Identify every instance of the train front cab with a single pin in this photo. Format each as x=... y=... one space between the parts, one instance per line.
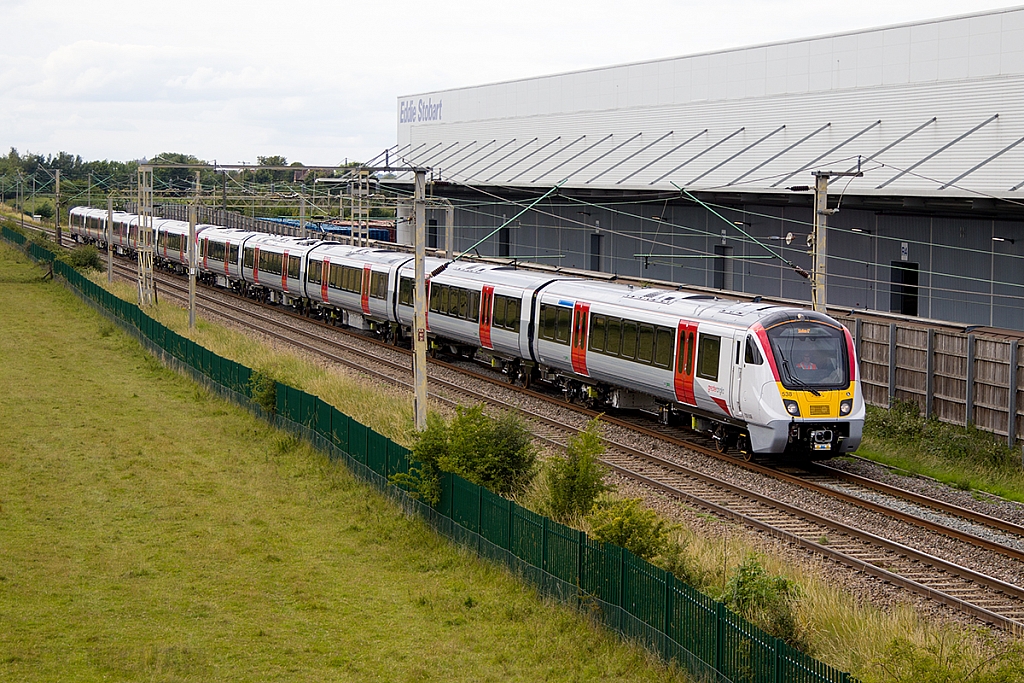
x=811 y=404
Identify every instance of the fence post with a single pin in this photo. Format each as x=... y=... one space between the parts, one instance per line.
x=719 y=635
x=929 y=399
x=892 y=362
x=969 y=415
x=1011 y=398
x=666 y=628
x=544 y=545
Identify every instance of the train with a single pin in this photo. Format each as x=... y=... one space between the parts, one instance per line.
x=758 y=378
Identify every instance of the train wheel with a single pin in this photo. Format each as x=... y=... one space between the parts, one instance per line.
x=721 y=439
x=743 y=446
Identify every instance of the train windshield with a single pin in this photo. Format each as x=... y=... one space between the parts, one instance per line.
x=810 y=355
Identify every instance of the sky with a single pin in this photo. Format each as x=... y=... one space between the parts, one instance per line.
x=318 y=82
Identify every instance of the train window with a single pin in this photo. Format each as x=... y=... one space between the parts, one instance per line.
x=614 y=340
x=628 y=349
x=474 y=306
x=379 y=285
x=435 y=296
x=512 y=315
x=405 y=290
x=707 y=356
x=313 y=271
x=334 y=277
x=752 y=355
x=453 y=301
x=293 y=266
x=662 y=347
x=464 y=303
x=688 y=362
x=498 y=311
x=548 y=314
x=249 y=259
x=562 y=325
x=597 y=332
x=351 y=280
x=645 y=345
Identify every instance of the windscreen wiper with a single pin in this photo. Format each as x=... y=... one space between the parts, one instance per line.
x=796 y=380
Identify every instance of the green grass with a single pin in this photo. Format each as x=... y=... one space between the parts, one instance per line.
x=152 y=532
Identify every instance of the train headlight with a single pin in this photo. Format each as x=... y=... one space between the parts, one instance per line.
x=845 y=406
x=792 y=407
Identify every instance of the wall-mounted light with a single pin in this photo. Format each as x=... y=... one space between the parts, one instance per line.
x=863 y=231
x=1003 y=239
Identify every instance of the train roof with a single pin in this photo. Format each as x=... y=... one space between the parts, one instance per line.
x=370 y=255
x=677 y=303
x=234 y=234
x=267 y=240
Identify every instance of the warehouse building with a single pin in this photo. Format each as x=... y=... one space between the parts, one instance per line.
x=690 y=169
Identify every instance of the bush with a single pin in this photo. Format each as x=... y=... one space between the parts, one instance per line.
x=628 y=525
x=901 y=422
x=575 y=482
x=45 y=210
x=496 y=453
x=263 y=390
x=768 y=601
x=83 y=258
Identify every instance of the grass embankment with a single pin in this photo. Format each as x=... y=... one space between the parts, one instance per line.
x=966 y=458
x=875 y=644
x=152 y=532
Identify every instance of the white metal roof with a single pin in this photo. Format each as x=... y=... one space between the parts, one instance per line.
x=934 y=108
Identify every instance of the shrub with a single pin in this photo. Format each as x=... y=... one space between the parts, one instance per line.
x=901 y=422
x=83 y=257
x=768 y=601
x=625 y=523
x=496 y=453
x=263 y=389
x=575 y=482
x=431 y=446
x=45 y=210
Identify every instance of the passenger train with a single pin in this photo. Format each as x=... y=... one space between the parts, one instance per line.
x=757 y=377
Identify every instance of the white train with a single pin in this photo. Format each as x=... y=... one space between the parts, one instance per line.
x=758 y=377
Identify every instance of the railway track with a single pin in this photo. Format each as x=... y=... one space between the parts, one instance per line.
x=984 y=597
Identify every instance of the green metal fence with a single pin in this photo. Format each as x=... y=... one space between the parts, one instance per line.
x=629 y=594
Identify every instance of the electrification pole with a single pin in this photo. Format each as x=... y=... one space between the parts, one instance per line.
x=819 y=253
x=192 y=261
x=419 y=341
x=819 y=248
x=110 y=238
x=145 y=239
x=56 y=213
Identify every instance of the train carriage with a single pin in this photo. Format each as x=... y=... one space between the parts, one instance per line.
x=274 y=267
x=357 y=281
x=220 y=255
x=171 y=242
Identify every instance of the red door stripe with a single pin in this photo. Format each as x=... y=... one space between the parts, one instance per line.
x=284 y=271
x=486 y=309
x=365 y=298
x=323 y=278
x=256 y=265
x=580 y=326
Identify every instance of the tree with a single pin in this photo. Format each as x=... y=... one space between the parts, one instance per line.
x=575 y=482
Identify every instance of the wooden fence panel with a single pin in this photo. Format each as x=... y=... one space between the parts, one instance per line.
x=951 y=377
x=912 y=365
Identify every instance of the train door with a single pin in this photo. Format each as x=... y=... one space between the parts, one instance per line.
x=364 y=299
x=752 y=381
x=256 y=265
x=205 y=247
x=325 y=272
x=227 y=252
x=284 y=271
x=735 y=391
x=486 y=308
x=580 y=325
x=685 y=353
